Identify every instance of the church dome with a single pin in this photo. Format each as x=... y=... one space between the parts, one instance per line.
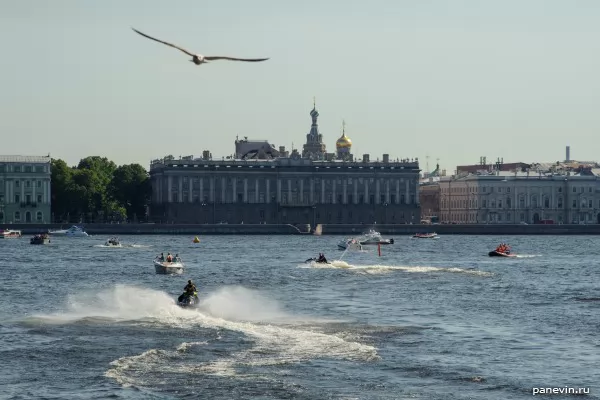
x=343 y=142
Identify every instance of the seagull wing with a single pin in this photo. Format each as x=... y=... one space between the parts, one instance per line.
x=211 y=58
x=167 y=43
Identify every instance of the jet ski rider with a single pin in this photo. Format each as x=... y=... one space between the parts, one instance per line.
x=321 y=258
x=188 y=291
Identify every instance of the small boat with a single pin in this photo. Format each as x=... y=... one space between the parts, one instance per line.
x=500 y=254
x=10 y=234
x=431 y=235
x=373 y=237
x=42 y=238
x=350 y=244
x=74 y=231
x=113 y=242
x=167 y=268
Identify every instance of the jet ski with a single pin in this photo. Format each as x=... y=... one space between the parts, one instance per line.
x=187 y=301
x=316 y=260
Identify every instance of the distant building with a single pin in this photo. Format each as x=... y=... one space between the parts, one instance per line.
x=545 y=194
x=499 y=165
x=311 y=188
x=25 y=193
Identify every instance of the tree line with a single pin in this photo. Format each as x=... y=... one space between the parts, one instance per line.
x=97 y=190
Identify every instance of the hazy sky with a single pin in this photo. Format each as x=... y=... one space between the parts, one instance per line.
x=454 y=80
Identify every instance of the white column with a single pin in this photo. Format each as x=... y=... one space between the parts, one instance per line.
x=190 y=189
x=289 y=196
x=245 y=190
x=344 y=191
x=366 y=190
x=170 y=189
x=323 y=191
x=223 y=190
x=387 y=191
x=180 y=192
x=256 y=192
x=312 y=190
x=355 y=197
x=201 y=190
x=22 y=191
x=211 y=195
x=33 y=187
x=333 y=195
x=268 y=194
x=407 y=192
x=47 y=194
x=377 y=191
x=279 y=190
x=417 y=200
x=234 y=190
x=301 y=199
x=397 y=191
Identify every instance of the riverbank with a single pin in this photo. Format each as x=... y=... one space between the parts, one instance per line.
x=287 y=229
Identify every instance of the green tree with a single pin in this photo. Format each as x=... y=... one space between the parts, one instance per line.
x=130 y=187
x=60 y=188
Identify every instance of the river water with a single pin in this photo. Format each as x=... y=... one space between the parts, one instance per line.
x=428 y=319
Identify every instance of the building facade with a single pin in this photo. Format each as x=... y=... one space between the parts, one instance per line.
x=520 y=197
x=274 y=187
x=25 y=193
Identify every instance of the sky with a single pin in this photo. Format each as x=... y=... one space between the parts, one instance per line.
x=450 y=80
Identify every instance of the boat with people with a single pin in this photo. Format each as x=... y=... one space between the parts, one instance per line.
x=113 y=242
x=503 y=250
x=74 y=231
x=189 y=297
x=42 y=238
x=350 y=244
x=10 y=234
x=431 y=235
x=168 y=264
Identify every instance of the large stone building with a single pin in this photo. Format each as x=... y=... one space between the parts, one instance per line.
x=266 y=187
x=25 y=189
x=551 y=193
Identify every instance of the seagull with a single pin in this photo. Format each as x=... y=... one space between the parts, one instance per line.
x=199 y=58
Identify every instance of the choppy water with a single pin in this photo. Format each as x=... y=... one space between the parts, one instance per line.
x=429 y=319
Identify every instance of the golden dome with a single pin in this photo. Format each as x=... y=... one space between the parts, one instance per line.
x=343 y=141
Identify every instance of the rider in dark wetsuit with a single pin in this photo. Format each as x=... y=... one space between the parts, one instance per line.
x=188 y=291
x=322 y=258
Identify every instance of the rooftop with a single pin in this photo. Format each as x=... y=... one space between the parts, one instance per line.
x=25 y=159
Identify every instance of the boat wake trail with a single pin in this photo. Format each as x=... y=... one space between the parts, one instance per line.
x=383 y=269
x=271 y=338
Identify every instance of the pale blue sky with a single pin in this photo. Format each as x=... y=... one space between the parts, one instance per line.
x=454 y=80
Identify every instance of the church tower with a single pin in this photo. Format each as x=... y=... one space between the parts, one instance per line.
x=344 y=145
x=314 y=147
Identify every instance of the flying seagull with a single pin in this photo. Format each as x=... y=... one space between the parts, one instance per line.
x=199 y=58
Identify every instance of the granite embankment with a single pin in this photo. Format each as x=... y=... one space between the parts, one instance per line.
x=287 y=229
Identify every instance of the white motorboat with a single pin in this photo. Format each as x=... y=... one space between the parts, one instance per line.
x=10 y=234
x=431 y=235
x=350 y=244
x=167 y=268
x=113 y=242
x=74 y=231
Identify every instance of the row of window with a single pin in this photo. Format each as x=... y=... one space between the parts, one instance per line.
x=485 y=189
x=27 y=216
x=23 y=168
x=28 y=198
x=26 y=183
x=497 y=203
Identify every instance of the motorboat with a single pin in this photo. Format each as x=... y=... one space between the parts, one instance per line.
x=497 y=253
x=431 y=235
x=42 y=238
x=113 y=242
x=74 y=231
x=350 y=244
x=187 y=301
x=373 y=237
x=167 y=268
x=10 y=234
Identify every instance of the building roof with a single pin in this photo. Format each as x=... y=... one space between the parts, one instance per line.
x=25 y=159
